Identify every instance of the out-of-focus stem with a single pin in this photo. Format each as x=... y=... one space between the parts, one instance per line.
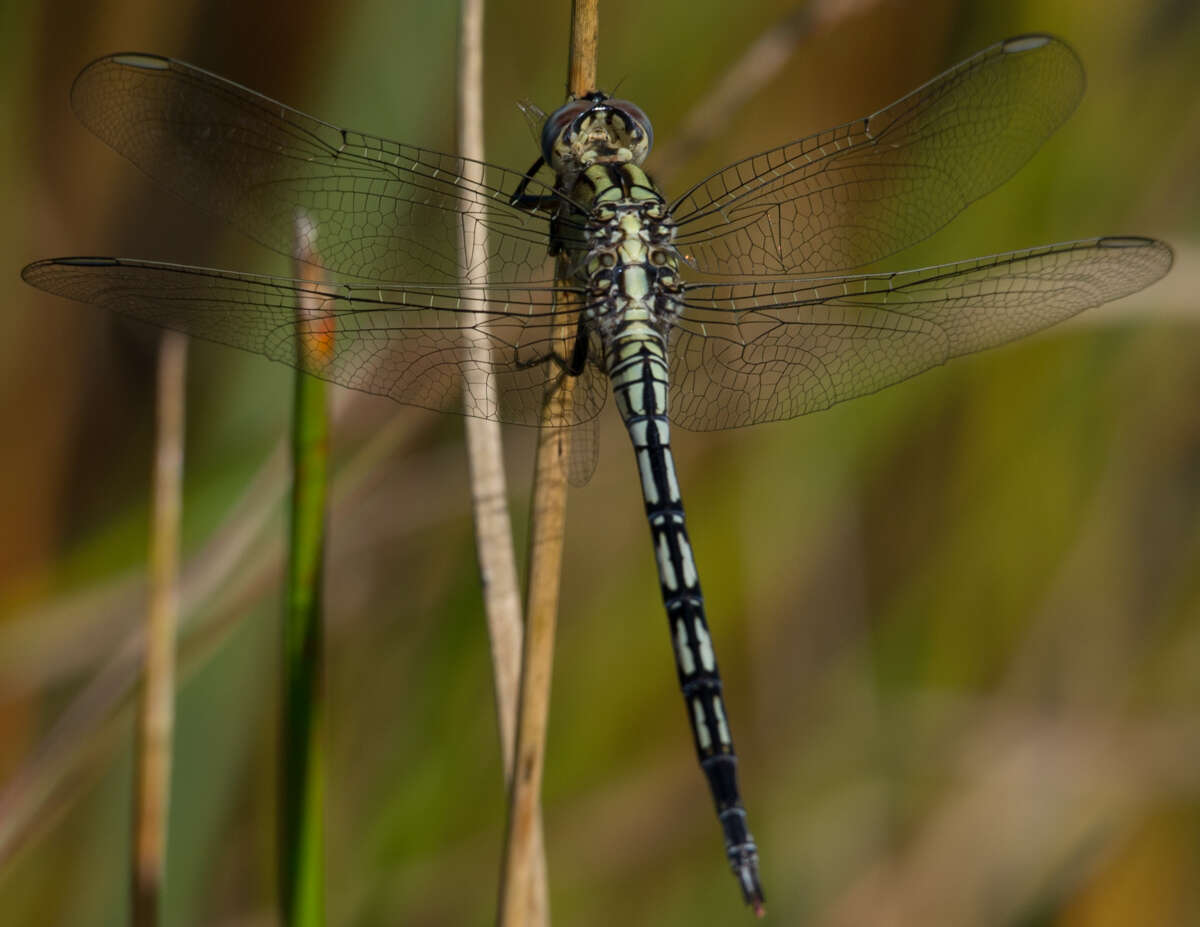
x=485 y=459
x=156 y=714
x=489 y=493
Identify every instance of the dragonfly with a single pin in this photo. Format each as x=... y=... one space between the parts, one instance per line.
x=465 y=286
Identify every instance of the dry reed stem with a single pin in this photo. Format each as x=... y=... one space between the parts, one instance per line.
x=547 y=524
x=156 y=709
x=485 y=461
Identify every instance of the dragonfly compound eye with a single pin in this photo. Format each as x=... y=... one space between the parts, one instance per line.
x=641 y=132
x=556 y=130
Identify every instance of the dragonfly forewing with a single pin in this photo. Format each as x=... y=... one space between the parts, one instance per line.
x=385 y=211
x=860 y=192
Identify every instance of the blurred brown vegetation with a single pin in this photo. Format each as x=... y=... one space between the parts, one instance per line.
x=959 y=621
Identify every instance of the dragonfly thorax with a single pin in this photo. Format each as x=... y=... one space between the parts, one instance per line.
x=631 y=265
x=595 y=129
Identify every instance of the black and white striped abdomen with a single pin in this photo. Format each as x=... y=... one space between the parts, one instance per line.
x=634 y=295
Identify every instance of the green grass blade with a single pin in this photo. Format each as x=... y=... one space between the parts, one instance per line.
x=301 y=830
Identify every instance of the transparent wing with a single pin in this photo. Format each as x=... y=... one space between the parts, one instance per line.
x=768 y=350
x=385 y=210
x=482 y=351
x=585 y=452
x=855 y=194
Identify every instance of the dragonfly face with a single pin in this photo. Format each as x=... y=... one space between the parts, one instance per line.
x=595 y=129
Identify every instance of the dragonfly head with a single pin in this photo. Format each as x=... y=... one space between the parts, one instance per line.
x=596 y=129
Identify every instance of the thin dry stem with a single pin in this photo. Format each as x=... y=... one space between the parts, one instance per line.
x=156 y=714
x=485 y=459
x=546 y=534
x=485 y=462
x=585 y=45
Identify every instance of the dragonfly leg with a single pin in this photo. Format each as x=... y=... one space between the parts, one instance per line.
x=523 y=200
x=571 y=366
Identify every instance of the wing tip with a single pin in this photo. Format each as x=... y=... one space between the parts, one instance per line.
x=43 y=274
x=98 y=75
x=141 y=60
x=82 y=261
x=1130 y=241
x=1072 y=78
x=1029 y=41
x=1155 y=249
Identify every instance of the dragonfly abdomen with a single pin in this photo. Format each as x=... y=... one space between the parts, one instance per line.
x=631 y=275
x=638 y=369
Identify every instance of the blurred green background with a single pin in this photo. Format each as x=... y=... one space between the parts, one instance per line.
x=959 y=621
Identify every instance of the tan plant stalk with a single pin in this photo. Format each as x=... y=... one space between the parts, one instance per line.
x=485 y=456
x=546 y=532
x=485 y=459
x=156 y=708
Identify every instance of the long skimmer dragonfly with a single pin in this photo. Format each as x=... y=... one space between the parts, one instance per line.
x=726 y=306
